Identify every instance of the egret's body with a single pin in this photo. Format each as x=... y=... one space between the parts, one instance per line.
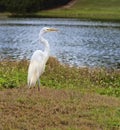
x=38 y=60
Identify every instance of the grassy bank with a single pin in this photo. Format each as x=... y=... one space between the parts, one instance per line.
x=70 y=98
x=14 y=74
x=84 y=9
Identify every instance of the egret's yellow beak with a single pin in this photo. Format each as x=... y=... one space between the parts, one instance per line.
x=52 y=29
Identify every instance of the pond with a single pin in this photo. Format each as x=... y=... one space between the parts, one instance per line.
x=78 y=43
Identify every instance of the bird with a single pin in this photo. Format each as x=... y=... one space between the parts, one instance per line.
x=39 y=59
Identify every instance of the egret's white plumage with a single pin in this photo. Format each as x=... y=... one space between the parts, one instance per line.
x=39 y=59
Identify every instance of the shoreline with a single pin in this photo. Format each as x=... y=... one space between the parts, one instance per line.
x=9 y=15
x=77 y=9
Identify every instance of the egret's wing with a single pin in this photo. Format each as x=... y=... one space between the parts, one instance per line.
x=36 y=67
x=37 y=56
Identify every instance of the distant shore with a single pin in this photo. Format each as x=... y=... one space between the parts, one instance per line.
x=84 y=10
x=44 y=14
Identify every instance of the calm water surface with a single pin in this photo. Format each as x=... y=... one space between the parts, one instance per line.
x=79 y=43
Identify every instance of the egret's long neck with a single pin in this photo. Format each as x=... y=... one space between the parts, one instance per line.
x=45 y=42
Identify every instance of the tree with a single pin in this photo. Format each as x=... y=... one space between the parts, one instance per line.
x=27 y=6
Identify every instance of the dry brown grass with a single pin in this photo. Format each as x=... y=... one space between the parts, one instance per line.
x=52 y=109
x=68 y=99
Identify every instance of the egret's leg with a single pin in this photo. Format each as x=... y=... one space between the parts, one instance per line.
x=38 y=85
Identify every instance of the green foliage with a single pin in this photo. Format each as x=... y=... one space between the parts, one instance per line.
x=87 y=9
x=102 y=81
x=84 y=9
x=13 y=74
x=27 y=6
x=110 y=91
x=107 y=112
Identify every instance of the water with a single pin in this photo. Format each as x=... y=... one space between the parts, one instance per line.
x=78 y=43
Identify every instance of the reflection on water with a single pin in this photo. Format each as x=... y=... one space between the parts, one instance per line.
x=80 y=43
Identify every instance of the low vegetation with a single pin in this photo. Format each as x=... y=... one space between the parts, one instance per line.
x=85 y=9
x=29 y=6
x=70 y=98
x=53 y=109
x=101 y=80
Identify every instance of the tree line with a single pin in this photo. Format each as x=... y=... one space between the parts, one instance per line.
x=27 y=6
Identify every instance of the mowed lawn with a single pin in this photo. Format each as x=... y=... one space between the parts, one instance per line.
x=87 y=9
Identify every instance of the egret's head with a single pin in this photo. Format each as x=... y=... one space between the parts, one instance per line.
x=47 y=29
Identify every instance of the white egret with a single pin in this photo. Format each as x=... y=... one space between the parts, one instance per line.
x=38 y=60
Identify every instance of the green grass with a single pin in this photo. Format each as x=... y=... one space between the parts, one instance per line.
x=83 y=9
x=13 y=74
x=70 y=98
x=86 y=9
x=100 y=80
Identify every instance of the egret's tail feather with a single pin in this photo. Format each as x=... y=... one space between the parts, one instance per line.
x=31 y=82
